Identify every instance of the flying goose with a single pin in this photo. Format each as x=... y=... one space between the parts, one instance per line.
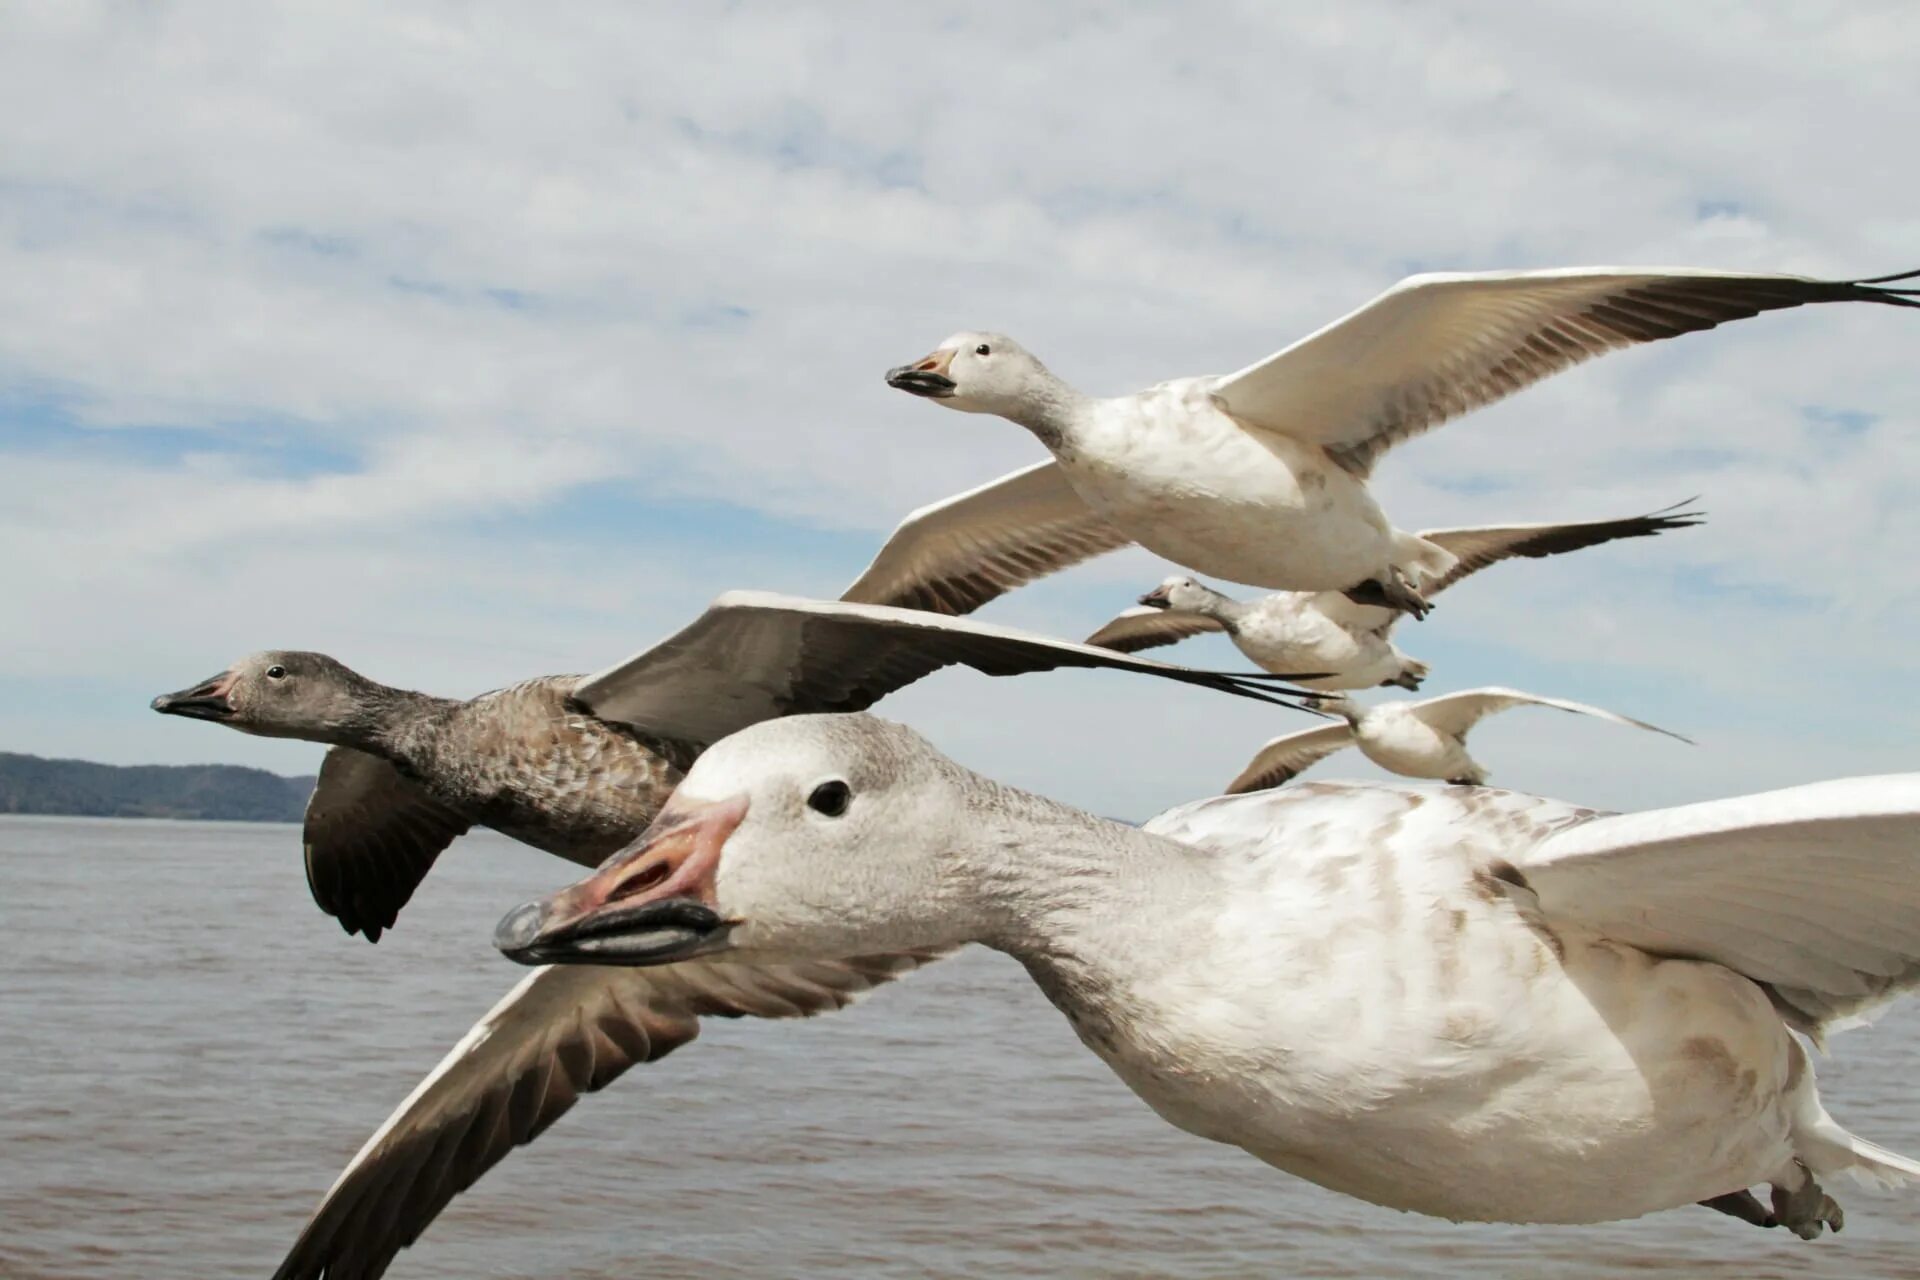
x=1424 y=739
x=1325 y=631
x=576 y=765
x=1457 y=1001
x=1260 y=477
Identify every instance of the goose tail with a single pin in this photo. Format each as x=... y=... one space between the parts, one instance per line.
x=1837 y=1151
x=1827 y=1149
x=1421 y=561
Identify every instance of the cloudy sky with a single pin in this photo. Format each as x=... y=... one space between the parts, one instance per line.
x=471 y=341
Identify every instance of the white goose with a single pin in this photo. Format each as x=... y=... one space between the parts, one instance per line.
x=1462 y=1002
x=1424 y=739
x=1291 y=631
x=1261 y=476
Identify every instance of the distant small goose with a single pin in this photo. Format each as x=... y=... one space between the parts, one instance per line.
x=1260 y=476
x=576 y=765
x=1424 y=739
x=1456 y=1001
x=1325 y=631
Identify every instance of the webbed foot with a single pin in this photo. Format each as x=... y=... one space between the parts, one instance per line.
x=1806 y=1209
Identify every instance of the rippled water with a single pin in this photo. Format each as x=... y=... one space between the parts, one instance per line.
x=189 y=1052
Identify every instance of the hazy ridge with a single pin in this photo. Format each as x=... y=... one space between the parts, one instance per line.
x=35 y=784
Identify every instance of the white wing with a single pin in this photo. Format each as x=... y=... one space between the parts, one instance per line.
x=1288 y=756
x=564 y=1031
x=1455 y=713
x=954 y=556
x=1436 y=346
x=1145 y=627
x=753 y=656
x=1814 y=890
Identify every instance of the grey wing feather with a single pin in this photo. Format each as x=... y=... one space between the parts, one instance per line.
x=1287 y=757
x=954 y=556
x=755 y=656
x=1475 y=549
x=1149 y=628
x=561 y=1033
x=371 y=835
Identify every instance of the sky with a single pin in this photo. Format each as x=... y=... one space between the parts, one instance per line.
x=469 y=342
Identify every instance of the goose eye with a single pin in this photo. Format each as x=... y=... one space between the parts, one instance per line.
x=983 y=350
x=276 y=672
x=830 y=798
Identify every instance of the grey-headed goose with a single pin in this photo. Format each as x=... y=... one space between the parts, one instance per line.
x=575 y=765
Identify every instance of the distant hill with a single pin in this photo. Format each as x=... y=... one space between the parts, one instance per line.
x=34 y=784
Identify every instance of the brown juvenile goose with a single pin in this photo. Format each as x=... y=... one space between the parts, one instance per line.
x=578 y=765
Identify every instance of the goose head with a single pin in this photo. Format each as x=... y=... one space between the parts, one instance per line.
x=980 y=373
x=279 y=693
x=1180 y=594
x=824 y=835
x=1336 y=704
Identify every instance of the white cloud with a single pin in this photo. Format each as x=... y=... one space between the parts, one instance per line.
x=474 y=257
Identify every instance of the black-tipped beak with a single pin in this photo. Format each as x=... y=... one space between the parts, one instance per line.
x=208 y=700
x=1156 y=599
x=651 y=903
x=649 y=933
x=927 y=377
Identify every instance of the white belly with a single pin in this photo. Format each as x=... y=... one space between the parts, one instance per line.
x=1426 y=1049
x=1300 y=638
x=1185 y=481
x=1402 y=744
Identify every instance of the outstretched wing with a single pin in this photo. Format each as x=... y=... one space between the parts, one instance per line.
x=1436 y=346
x=1455 y=713
x=1814 y=890
x=1475 y=549
x=371 y=836
x=1286 y=757
x=753 y=656
x=1145 y=627
x=954 y=556
x=565 y=1031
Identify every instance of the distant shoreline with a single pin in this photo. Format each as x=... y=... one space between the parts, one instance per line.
x=37 y=786
x=7 y=815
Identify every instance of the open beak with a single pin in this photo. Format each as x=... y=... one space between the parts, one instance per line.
x=927 y=378
x=1156 y=599
x=651 y=903
x=207 y=700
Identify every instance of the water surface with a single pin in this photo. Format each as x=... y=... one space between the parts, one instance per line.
x=190 y=1052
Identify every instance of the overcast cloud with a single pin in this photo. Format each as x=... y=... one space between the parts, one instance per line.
x=473 y=341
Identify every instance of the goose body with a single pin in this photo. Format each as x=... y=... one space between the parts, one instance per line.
x=1397 y=1029
x=1457 y=1001
x=1261 y=476
x=1193 y=486
x=530 y=762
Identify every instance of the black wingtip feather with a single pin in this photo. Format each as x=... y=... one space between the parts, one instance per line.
x=1898 y=275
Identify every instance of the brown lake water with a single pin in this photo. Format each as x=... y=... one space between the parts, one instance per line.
x=189 y=1052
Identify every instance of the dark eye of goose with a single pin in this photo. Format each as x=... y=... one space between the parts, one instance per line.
x=983 y=350
x=830 y=798
x=276 y=672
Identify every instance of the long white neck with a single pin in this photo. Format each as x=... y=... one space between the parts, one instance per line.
x=1051 y=409
x=1060 y=889
x=1222 y=608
